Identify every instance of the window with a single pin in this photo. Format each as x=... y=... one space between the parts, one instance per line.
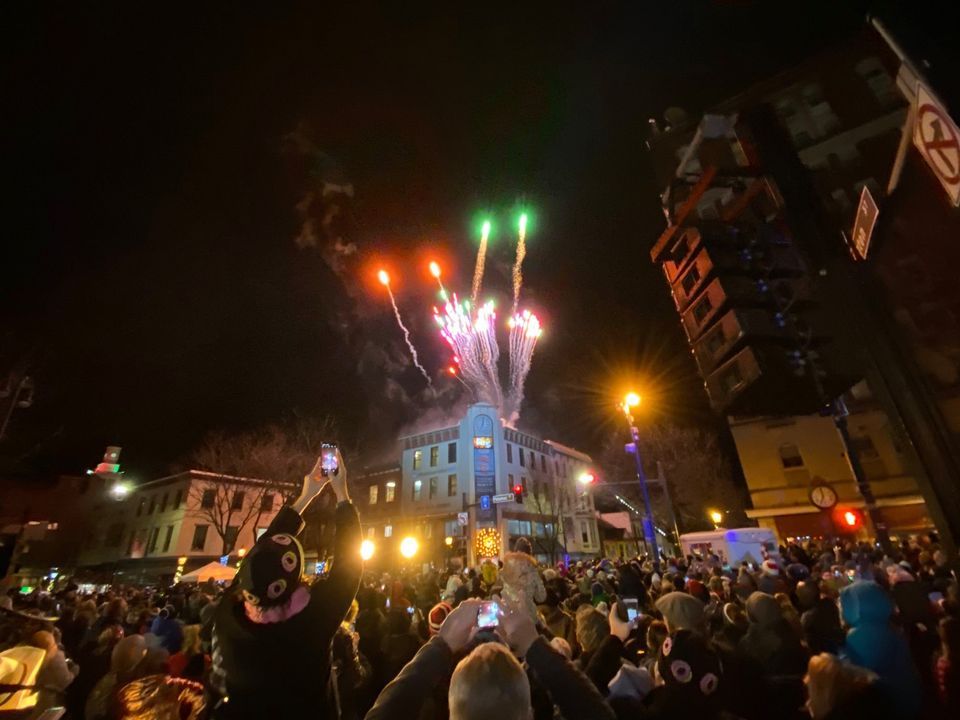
x=417 y=487
x=690 y=280
x=790 y=456
x=523 y=483
x=374 y=492
x=433 y=487
x=451 y=528
x=427 y=531
x=520 y=453
x=199 y=537
x=371 y=532
x=153 y=504
x=584 y=532
x=388 y=530
x=533 y=461
x=451 y=485
x=878 y=80
x=864 y=447
x=702 y=309
x=141 y=505
x=511 y=481
x=163 y=502
x=266 y=502
x=543 y=463
x=417 y=459
x=208 y=498
x=391 y=491
x=230 y=536
x=237 y=503
x=152 y=545
x=731 y=378
x=509 y=453
x=177 y=499
x=434 y=455
x=452 y=453
x=167 y=538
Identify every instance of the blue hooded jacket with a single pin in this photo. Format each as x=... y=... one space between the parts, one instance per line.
x=872 y=642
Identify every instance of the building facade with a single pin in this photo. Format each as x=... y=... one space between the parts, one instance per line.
x=459 y=479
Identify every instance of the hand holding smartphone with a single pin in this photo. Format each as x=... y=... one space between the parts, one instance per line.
x=489 y=614
x=329 y=460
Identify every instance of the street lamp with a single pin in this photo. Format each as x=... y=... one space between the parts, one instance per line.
x=630 y=401
x=120 y=490
x=409 y=547
x=241 y=552
x=366 y=549
x=448 y=541
x=587 y=478
x=716 y=517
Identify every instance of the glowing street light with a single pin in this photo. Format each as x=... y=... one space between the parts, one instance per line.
x=587 y=478
x=241 y=553
x=409 y=547
x=448 y=541
x=716 y=517
x=120 y=490
x=383 y=277
x=366 y=549
x=631 y=399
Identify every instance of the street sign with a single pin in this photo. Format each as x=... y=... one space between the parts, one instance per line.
x=938 y=140
x=462 y=519
x=867 y=212
x=484 y=502
x=505 y=498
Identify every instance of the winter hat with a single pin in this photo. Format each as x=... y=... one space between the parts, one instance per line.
x=798 y=572
x=630 y=682
x=438 y=613
x=681 y=611
x=769 y=567
x=687 y=662
x=271 y=571
x=763 y=608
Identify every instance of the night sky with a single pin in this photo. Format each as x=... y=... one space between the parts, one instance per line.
x=150 y=269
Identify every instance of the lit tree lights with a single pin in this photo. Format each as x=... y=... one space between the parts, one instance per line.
x=487 y=543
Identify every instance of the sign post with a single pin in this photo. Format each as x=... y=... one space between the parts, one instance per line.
x=937 y=138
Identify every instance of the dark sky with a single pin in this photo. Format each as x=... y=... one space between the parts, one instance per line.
x=149 y=262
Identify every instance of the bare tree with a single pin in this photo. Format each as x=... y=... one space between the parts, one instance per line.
x=244 y=469
x=547 y=499
x=700 y=473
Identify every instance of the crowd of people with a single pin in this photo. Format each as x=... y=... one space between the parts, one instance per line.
x=821 y=630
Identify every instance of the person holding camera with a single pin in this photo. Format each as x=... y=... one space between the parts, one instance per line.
x=273 y=630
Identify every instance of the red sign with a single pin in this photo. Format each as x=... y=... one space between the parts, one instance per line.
x=938 y=140
x=867 y=212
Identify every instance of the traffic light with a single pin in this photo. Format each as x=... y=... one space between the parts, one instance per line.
x=736 y=257
x=848 y=520
x=518 y=493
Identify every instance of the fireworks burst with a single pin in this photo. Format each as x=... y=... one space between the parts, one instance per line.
x=518 y=263
x=481 y=259
x=472 y=337
x=384 y=279
x=435 y=271
x=525 y=330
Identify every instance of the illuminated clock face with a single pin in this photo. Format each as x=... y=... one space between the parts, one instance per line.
x=823 y=496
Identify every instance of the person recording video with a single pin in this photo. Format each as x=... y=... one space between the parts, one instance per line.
x=273 y=630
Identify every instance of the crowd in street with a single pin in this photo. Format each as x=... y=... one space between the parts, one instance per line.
x=821 y=630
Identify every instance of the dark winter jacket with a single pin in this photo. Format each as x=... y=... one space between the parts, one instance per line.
x=573 y=694
x=281 y=669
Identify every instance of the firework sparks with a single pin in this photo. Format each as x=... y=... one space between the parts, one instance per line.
x=435 y=271
x=525 y=330
x=471 y=334
x=481 y=259
x=518 y=263
x=384 y=279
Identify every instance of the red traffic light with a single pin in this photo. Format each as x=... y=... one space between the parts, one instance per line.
x=518 y=489
x=848 y=519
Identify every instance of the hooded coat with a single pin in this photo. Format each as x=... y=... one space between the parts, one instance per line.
x=872 y=642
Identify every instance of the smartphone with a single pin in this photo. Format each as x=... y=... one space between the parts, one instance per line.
x=410 y=610
x=329 y=464
x=489 y=615
x=632 y=606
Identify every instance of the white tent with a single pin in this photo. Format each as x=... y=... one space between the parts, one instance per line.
x=210 y=571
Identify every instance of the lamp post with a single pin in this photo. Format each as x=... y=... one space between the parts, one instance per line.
x=716 y=517
x=630 y=401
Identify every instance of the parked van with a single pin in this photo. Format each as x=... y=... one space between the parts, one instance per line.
x=732 y=546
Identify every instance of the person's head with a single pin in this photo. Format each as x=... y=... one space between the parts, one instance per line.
x=592 y=628
x=45 y=641
x=489 y=683
x=656 y=634
x=562 y=647
x=831 y=683
x=127 y=654
x=681 y=611
x=271 y=571
x=690 y=668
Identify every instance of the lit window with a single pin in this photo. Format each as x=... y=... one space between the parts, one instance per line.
x=434 y=455
x=433 y=487
x=451 y=485
x=391 y=492
x=417 y=459
x=388 y=530
x=374 y=491
x=417 y=487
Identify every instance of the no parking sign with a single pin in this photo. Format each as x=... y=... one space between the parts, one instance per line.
x=937 y=138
